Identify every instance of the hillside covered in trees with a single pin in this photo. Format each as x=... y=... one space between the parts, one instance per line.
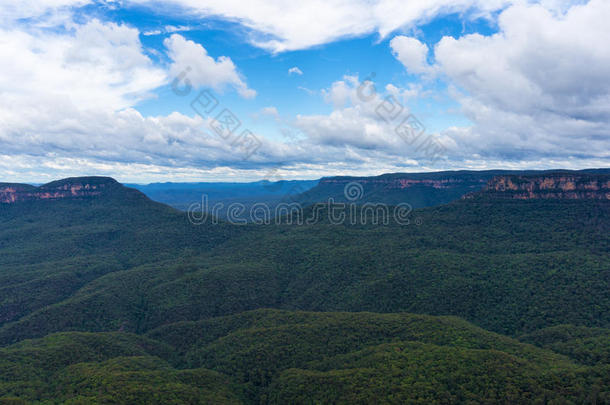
x=113 y=297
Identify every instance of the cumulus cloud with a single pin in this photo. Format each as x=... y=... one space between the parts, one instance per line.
x=202 y=69
x=541 y=85
x=404 y=94
x=341 y=91
x=64 y=140
x=411 y=53
x=364 y=122
x=538 y=89
x=70 y=94
x=93 y=65
x=67 y=109
x=290 y=25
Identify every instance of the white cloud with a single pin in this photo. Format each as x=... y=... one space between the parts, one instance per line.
x=152 y=32
x=307 y=90
x=282 y=25
x=62 y=139
x=168 y=29
x=341 y=91
x=363 y=121
x=295 y=70
x=537 y=93
x=202 y=69
x=541 y=85
x=67 y=110
x=12 y=10
x=67 y=97
x=95 y=65
x=411 y=53
x=272 y=111
x=403 y=95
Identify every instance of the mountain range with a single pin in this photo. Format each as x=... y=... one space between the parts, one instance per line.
x=499 y=295
x=419 y=190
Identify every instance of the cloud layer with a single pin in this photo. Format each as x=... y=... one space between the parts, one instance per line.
x=284 y=25
x=537 y=92
x=541 y=85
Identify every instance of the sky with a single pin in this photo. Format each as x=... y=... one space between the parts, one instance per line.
x=226 y=90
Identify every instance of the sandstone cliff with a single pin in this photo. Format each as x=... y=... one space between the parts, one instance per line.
x=72 y=188
x=568 y=186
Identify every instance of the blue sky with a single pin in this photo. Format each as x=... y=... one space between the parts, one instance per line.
x=322 y=65
x=495 y=84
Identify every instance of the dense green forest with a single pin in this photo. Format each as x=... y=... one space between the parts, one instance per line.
x=117 y=298
x=274 y=356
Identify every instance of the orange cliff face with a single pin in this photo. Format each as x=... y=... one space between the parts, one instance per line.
x=65 y=189
x=548 y=186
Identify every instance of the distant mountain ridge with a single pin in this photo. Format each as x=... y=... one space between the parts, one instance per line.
x=418 y=189
x=184 y=195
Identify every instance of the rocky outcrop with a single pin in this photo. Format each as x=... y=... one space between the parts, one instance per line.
x=72 y=188
x=432 y=189
x=567 y=186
